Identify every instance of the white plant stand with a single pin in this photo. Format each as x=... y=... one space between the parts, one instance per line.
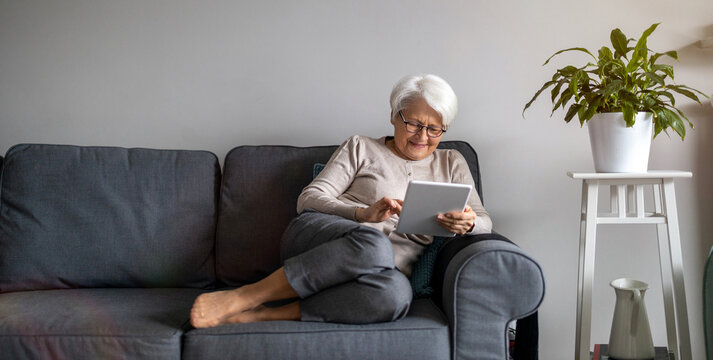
x=628 y=188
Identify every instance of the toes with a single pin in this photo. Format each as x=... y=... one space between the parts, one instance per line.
x=197 y=317
x=195 y=323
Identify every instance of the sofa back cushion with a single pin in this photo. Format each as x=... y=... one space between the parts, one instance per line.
x=107 y=217
x=259 y=198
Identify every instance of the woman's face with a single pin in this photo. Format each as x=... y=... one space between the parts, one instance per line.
x=416 y=146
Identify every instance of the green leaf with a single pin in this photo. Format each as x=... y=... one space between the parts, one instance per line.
x=572 y=110
x=651 y=102
x=556 y=89
x=584 y=78
x=640 y=50
x=628 y=112
x=620 y=69
x=634 y=62
x=639 y=57
x=580 y=114
x=570 y=49
x=671 y=54
x=567 y=71
x=574 y=84
x=619 y=42
x=684 y=116
x=667 y=95
x=692 y=89
x=648 y=32
x=675 y=122
x=592 y=109
x=605 y=54
x=545 y=86
x=683 y=90
x=666 y=69
x=658 y=120
x=564 y=99
x=612 y=88
x=655 y=78
x=562 y=102
x=612 y=71
x=626 y=97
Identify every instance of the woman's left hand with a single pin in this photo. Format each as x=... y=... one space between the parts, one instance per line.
x=457 y=222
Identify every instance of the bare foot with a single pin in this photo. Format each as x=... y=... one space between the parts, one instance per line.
x=247 y=316
x=216 y=308
x=263 y=313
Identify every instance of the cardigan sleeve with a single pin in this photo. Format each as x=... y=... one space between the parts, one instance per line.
x=334 y=180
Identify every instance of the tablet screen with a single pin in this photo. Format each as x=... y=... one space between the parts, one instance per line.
x=424 y=200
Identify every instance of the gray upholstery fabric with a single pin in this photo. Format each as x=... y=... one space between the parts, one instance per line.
x=259 y=198
x=94 y=323
x=423 y=334
x=471 y=157
x=478 y=281
x=257 y=201
x=107 y=217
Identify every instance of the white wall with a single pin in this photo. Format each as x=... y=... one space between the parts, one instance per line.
x=215 y=74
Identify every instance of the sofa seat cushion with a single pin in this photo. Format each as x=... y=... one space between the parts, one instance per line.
x=423 y=334
x=94 y=323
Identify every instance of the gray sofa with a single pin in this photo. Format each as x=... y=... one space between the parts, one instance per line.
x=104 y=249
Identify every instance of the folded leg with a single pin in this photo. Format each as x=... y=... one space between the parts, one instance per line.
x=321 y=251
x=378 y=297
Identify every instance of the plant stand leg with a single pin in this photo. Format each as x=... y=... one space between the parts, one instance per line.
x=674 y=240
x=587 y=244
x=666 y=273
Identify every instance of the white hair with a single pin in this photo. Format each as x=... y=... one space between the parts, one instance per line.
x=433 y=89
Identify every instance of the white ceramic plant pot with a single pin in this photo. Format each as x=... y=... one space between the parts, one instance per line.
x=617 y=148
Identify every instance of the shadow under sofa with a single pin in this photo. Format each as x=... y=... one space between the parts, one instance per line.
x=104 y=249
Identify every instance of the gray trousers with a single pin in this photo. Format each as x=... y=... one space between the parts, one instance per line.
x=343 y=271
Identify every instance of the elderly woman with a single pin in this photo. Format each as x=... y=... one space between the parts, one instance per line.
x=342 y=257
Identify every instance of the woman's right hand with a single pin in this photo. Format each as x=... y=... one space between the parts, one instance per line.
x=379 y=211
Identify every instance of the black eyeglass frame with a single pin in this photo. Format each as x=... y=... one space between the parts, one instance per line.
x=420 y=127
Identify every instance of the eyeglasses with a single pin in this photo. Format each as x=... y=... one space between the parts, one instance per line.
x=415 y=128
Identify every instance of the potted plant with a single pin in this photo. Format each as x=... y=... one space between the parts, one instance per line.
x=622 y=94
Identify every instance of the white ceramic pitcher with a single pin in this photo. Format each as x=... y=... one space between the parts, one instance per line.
x=630 y=336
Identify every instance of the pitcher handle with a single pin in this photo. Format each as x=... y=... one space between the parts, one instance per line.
x=635 y=312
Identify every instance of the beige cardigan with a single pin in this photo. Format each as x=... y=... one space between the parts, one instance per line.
x=364 y=170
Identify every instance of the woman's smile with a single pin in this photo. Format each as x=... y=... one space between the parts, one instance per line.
x=417 y=145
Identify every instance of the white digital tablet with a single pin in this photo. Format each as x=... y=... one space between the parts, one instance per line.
x=424 y=200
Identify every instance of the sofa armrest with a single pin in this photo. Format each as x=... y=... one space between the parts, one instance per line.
x=482 y=283
x=1 y=160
